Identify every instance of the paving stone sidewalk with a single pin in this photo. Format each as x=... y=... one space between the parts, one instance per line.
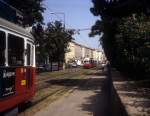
x=129 y=97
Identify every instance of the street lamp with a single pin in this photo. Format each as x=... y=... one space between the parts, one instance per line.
x=60 y=13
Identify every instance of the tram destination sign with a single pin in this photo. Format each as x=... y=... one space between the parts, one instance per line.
x=7 y=81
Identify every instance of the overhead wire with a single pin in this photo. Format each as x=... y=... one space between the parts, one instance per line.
x=70 y=27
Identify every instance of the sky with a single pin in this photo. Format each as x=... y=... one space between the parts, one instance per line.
x=77 y=16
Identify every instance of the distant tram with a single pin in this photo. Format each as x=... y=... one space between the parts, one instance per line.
x=88 y=63
x=17 y=65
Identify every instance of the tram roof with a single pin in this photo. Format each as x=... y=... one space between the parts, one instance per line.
x=15 y=28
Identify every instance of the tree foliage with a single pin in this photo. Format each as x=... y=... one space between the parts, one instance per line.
x=132 y=44
x=57 y=39
x=119 y=8
x=39 y=34
x=32 y=10
x=125 y=39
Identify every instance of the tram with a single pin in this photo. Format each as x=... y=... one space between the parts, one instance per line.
x=88 y=63
x=17 y=65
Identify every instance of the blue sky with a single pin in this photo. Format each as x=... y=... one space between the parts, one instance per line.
x=77 y=16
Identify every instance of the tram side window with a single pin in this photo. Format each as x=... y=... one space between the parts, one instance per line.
x=28 y=54
x=32 y=57
x=15 y=50
x=2 y=48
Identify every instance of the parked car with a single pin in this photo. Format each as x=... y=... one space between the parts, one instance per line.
x=101 y=65
x=73 y=64
x=40 y=68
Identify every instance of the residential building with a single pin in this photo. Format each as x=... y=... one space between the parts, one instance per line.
x=70 y=54
x=79 y=52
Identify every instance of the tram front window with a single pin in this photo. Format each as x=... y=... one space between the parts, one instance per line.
x=2 y=48
x=15 y=50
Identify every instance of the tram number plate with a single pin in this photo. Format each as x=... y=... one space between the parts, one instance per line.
x=7 y=82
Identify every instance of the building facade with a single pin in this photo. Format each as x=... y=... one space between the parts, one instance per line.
x=79 y=52
x=70 y=54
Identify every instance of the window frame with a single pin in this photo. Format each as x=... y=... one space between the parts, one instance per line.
x=32 y=53
x=23 y=54
x=26 y=39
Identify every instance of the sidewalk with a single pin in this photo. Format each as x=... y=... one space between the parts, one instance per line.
x=129 y=98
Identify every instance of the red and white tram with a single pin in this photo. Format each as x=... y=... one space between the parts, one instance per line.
x=17 y=65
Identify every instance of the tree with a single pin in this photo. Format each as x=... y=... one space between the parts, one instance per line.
x=132 y=40
x=57 y=39
x=32 y=10
x=125 y=37
x=39 y=34
x=120 y=8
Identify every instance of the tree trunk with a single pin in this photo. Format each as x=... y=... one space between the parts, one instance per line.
x=51 y=66
x=58 y=65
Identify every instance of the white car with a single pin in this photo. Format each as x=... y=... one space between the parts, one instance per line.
x=73 y=64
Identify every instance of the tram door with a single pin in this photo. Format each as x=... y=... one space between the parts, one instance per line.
x=25 y=74
x=29 y=61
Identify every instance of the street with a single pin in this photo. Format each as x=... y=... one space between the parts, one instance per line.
x=75 y=58
x=82 y=92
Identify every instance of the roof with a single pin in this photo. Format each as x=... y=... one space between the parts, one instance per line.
x=15 y=28
x=82 y=45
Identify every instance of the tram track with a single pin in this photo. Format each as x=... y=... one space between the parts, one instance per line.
x=42 y=77
x=47 y=91
x=44 y=97
x=42 y=84
x=57 y=91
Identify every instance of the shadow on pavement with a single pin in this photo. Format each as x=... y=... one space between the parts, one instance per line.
x=105 y=101
x=98 y=104
x=80 y=84
x=137 y=93
x=117 y=107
